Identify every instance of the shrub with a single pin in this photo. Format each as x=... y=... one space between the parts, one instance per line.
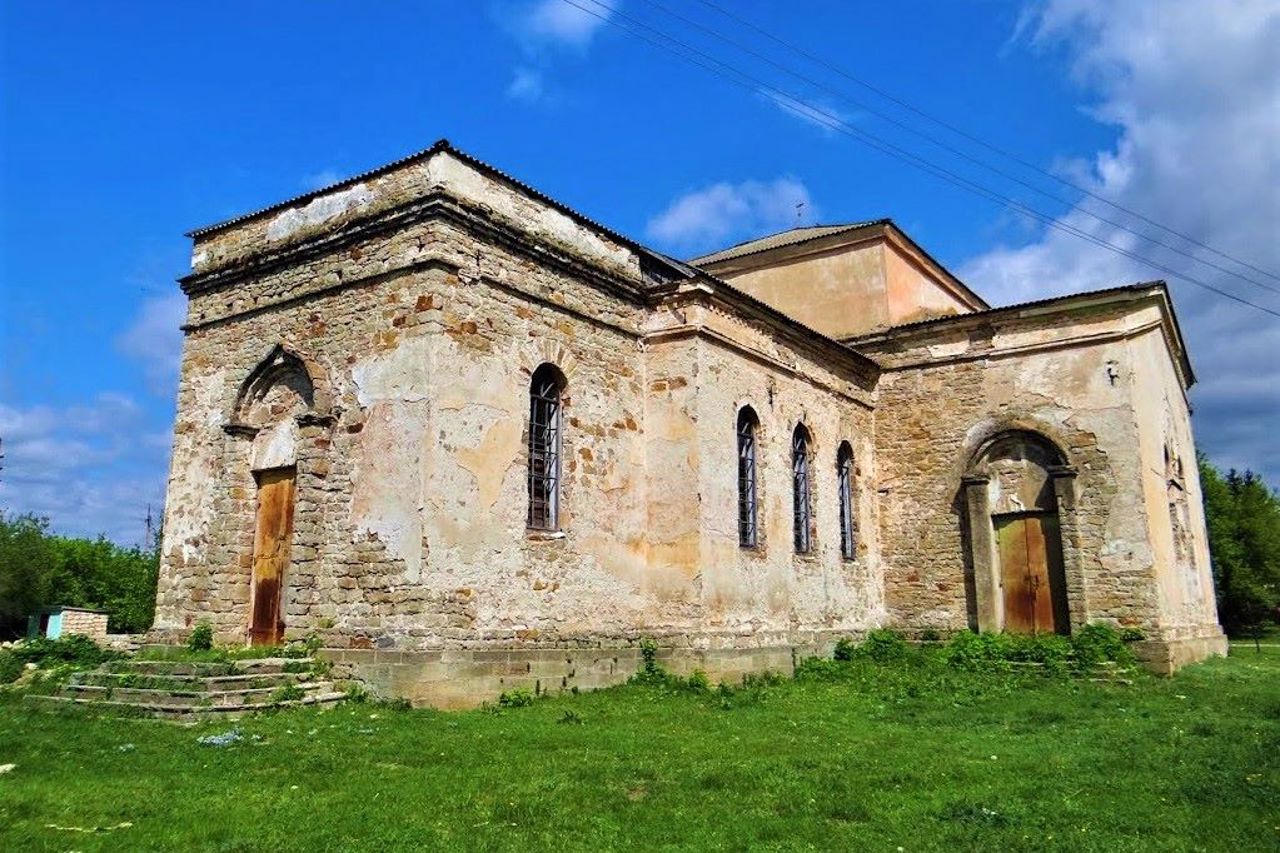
x=884 y=646
x=1097 y=643
x=75 y=649
x=518 y=698
x=978 y=652
x=698 y=682
x=1052 y=651
x=10 y=667
x=201 y=639
x=820 y=669
x=845 y=649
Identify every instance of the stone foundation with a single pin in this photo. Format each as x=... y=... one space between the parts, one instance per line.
x=465 y=678
x=1176 y=649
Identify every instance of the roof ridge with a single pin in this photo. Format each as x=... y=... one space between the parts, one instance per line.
x=738 y=250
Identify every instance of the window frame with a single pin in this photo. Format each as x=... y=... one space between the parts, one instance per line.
x=545 y=445
x=801 y=491
x=747 y=434
x=844 y=489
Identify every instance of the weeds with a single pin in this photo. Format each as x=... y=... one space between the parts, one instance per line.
x=201 y=639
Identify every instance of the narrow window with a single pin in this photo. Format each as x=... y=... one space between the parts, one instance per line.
x=748 y=528
x=844 y=479
x=544 y=448
x=800 y=489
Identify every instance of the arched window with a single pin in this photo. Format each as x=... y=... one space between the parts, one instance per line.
x=844 y=481
x=801 y=505
x=545 y=390
x=748 y=525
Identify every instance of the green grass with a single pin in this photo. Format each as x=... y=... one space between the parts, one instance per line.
x=913 y=756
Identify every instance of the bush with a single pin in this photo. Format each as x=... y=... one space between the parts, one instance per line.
x=10 y=667
x=515 y=699
x=845 y=649
x=201 y=639
x=1096 y=643
x=884 y=646
x=73 y=651
x=978 y=652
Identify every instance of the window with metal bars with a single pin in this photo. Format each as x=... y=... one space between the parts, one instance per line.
x=801 y=505
x=748 y=522
x=545 y=390
x=844 y=481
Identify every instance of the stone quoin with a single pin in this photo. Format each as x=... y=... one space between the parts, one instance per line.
x=476 y=441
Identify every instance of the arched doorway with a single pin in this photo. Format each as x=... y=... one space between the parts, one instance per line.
x=1013 y=490
x=269 y=405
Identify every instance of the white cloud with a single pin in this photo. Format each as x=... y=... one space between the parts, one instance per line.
x=709 y=217
x=1194 y=90
x=321 y=179
x=817 y=113
x=527 y=85
x=154 y=338
x=91 y=469
x=559 y=22
x=550 y=33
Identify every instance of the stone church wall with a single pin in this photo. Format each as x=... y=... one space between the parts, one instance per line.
x=1079 y=379
x=409 y=534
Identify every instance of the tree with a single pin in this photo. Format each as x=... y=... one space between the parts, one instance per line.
x=26 y=552
x=1243 y=517
x=38 y=569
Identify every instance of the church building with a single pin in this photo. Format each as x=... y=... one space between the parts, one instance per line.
x=474 y=441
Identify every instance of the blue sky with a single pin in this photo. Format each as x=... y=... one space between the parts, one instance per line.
x=126 y=124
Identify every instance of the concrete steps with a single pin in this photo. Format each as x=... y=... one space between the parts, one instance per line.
x=186 y=689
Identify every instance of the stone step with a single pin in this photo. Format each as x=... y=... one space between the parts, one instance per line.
x=183 y=698
x=189 y=711
x=252 y=666
x=146 y=681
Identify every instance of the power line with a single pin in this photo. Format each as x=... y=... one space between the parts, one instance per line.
x=834 y=122
x=977 y=140
x=956 y=151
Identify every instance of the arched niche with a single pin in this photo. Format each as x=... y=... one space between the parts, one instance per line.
x=1018 y=493
x=280 y=394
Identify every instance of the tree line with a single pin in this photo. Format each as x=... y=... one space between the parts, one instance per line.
x=41 y=569
x=1243 y=517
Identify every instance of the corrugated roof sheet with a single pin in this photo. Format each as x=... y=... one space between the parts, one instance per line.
x=783 y=238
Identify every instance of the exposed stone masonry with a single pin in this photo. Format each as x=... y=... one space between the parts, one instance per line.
x=378 y=338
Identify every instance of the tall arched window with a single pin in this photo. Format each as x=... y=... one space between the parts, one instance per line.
x=545 y=390
x=801 y=505
x=748 y=524
x=844 y=481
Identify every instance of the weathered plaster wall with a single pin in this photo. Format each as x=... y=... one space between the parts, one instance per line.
x=847 y=288
x=771 y=595
x=840 y=291
x=1082 y=379
x=1174 y=501
x=912 y=293
x=411 y=458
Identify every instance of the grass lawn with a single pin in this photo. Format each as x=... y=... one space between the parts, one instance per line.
x=907 y=757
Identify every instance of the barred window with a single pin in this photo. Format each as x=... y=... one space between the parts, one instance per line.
x=844 y=479
x=801 y=505
x=545 y=391
x=748 y=522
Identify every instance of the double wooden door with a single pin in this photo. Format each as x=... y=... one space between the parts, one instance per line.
x=273 y=537
x=1031 y=573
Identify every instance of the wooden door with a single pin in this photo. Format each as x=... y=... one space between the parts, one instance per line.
x=1031 y=573
x=272 y=539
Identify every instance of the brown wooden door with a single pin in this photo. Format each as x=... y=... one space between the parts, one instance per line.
x=1031 y=573
x=272 y=539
